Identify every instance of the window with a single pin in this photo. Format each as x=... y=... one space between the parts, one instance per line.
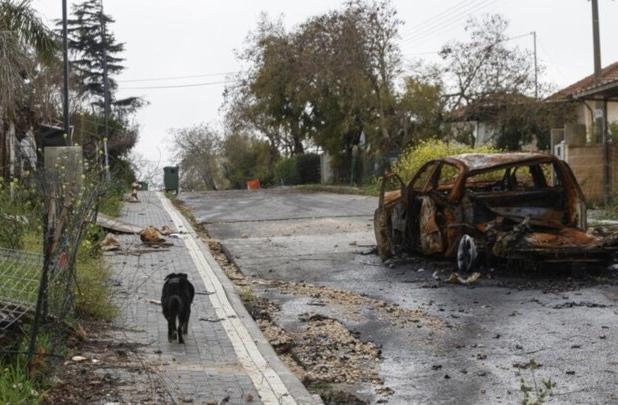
x=448 y=175
x=419 y=183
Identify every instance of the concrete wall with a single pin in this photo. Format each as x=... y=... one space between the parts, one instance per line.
x=584 y=116
x=586 y=161
x=326 y=171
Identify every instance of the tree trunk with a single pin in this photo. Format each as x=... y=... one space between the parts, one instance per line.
x=297 y=142
x=12 y=148
x=2 y=148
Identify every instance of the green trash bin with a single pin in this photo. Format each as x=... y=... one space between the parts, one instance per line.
x=143 y=185
x=170 y=178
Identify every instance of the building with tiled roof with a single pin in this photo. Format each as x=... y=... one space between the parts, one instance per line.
x=607 y=86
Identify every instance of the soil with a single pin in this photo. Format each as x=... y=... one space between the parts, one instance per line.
x=98 y=366
x=324 y=354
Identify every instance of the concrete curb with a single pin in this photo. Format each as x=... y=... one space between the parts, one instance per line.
x=296 y=389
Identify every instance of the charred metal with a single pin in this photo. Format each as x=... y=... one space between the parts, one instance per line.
x=514 y=206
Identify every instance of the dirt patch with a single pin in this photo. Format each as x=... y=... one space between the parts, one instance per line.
x=324 y=354
x=331 y=353
x=99 y=368
x=353 y=303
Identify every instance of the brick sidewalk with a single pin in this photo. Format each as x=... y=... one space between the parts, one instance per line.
x=223 y=356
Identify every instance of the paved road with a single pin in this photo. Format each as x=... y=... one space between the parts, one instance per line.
x=483 y=334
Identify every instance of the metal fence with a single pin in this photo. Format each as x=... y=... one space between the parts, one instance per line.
x=20 y=273
x=38 y=291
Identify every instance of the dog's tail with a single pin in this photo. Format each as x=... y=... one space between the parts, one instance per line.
x=176 y=306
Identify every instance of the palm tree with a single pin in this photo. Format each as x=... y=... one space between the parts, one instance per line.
x=25 y=41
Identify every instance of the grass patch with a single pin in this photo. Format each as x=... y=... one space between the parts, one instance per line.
x=16 y=387
x=111 y=203
x=93 y=295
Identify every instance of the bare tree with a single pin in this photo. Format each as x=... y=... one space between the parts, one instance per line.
x=197 y=150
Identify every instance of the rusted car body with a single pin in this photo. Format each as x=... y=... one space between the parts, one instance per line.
x=520 y=207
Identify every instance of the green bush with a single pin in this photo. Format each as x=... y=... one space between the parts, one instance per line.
x=286 y=172
x=414 y=157
x=308 y=166
x=18 y=213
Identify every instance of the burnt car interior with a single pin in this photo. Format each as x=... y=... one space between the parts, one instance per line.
x=516 y=193
x=504 y=197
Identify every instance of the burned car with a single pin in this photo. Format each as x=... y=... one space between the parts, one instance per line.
x=519 y=208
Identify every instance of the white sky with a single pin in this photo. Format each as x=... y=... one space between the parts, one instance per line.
x=198 y=37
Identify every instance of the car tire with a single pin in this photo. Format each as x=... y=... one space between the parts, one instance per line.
x=467 y=254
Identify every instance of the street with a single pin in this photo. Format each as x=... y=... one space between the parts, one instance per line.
x=307 y=256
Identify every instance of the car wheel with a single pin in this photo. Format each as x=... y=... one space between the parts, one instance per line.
x=467 y=254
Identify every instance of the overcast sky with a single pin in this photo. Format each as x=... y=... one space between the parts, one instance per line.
x=169 y=38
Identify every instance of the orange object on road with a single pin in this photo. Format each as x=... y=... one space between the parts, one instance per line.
x=253 y=184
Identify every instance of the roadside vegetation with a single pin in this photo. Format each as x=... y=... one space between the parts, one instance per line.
x=21 y=229
x=335 y=86
x=30 y=94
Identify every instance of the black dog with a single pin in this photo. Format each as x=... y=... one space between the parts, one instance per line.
x=176 y=299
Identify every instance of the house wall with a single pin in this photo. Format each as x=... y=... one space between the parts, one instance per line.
x=586 y=161
x=584 y=116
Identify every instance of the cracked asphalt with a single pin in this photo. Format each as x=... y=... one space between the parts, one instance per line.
x=474 y=350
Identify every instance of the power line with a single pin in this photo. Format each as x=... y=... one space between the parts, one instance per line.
x=175 y=86
x=447 y=19
x=438 y=16
x=156 y=79
x=406 y=55
x=448 y=24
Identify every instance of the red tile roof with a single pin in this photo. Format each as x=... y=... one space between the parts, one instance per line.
x=609 y=74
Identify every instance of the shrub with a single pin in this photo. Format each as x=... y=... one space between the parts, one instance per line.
x=414 y=157
x=18 y=213
x=286 y=171
x=16 y=387
x=308 y=166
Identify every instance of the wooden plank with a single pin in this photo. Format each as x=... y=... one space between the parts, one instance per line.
x=115 y=225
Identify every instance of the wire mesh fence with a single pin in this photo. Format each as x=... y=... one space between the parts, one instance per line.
x=20 y=273
x=38 y=291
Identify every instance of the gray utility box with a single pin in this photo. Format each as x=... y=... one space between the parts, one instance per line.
x=170 y=178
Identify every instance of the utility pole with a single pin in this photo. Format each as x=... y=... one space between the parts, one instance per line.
x=600 y=115
x=106 y=94
x=536 y=68
x=65 y=51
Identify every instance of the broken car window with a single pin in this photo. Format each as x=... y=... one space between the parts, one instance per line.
x=422 y=177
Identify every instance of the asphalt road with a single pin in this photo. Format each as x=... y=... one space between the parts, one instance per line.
x=473 y=353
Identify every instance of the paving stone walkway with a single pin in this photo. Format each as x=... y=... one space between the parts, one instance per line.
x=219 y=359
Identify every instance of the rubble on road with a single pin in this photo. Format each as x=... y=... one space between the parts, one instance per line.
x=455 y=278
x=150 y=234
x=330 y=353
x=110 y=243
x=354 y=302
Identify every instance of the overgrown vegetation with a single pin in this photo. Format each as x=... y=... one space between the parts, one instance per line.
x=20 y=384
x=20 y=228
x=414 y=157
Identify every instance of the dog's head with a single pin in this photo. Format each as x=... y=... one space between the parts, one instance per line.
x=175 y=275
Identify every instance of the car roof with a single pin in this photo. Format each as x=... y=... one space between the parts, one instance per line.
x=477 y=162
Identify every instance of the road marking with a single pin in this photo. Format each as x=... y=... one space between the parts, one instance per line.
x=266 y=381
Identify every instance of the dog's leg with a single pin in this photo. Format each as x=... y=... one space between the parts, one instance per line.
x=180 y=326
x=171 y=329
x=185 y=328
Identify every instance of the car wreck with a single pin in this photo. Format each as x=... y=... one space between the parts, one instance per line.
x=519 y=208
